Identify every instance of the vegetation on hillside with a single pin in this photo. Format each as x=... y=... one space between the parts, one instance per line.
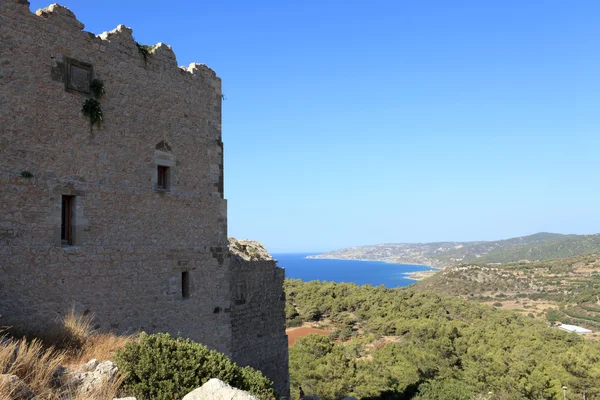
x=562 y=246
x=406 y=343
x=537 y=247
x=565 y=290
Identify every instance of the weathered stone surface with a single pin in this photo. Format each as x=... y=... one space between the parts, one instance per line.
x=135 y=244
x=256 y=283
x=215 y=389
x=90 y=378
x=248 y=250
x=125 y=398
x=88 y=366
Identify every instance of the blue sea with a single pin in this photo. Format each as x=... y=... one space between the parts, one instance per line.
x=360 y=272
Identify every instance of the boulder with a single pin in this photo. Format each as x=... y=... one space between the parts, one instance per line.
x=215 y=389
x=88 y=366
x=93 y=375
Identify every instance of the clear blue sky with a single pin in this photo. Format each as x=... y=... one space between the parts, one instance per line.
x=355 y=122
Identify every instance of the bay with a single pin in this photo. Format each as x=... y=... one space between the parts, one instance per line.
x=360 y=272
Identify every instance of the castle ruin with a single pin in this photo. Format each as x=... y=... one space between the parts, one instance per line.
x=120 y=211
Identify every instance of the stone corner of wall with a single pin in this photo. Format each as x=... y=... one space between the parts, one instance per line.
x=205 y=72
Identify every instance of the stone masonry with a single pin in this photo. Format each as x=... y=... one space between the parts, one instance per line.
x=258 y=311
x=126 y=221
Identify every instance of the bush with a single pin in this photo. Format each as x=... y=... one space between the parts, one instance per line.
x=293 y=323
x=164 y=368
x=313 y=314
x=498 y=304
x=346 y=334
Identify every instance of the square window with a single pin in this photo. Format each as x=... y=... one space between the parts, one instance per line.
x=162 y=181
x=79 y=76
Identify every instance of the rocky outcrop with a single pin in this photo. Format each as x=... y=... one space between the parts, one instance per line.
x=248 y=250
x=218 y=390
x=93 y=375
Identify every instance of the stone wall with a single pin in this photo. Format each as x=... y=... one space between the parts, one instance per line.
x=133 y=241
x=144 y=252
x=256 y=285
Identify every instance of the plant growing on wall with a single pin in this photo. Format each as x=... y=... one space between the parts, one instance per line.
x=92 y=108
x=97 y=88
x=144 y=50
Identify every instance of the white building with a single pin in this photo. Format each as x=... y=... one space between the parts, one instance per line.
x=574 y=328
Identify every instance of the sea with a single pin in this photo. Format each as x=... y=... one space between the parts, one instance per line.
x=360 y=272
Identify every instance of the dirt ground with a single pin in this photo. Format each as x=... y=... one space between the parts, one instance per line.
x=525 y=306
x=295 y=333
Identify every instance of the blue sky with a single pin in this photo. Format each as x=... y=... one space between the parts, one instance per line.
x=350 y=123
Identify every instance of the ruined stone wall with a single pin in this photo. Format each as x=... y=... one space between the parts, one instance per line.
x=133 y=241
x=258 y=312
x=135 y=245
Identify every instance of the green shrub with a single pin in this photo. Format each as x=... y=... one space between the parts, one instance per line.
x=164 y=368
x=498 y=304
x=313 y=314
x=294 y=322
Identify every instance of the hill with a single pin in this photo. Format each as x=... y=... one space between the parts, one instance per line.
x=413 y=344
x=567 y=290
x=537 y=247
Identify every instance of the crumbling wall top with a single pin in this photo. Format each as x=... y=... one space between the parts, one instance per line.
x=160 y=53
x=61 y=14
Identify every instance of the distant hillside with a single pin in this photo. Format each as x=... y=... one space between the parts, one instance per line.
x=567 y=277
x=537 y=247
x=565 y=289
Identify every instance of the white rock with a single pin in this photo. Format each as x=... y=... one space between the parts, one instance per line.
x=215 y=389
x=94 y=379
x=125 y=398
x=88 y=366
x=248 y=250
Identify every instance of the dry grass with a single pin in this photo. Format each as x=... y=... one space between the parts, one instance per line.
x=76 y=329
x=33 y=364
x=36 y=358
x=102 y=347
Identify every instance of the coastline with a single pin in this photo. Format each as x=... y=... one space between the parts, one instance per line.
x=420 y=275
x=413 y=276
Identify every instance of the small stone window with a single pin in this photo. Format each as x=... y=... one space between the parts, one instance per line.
x=185 y=284
x=66 y=220
x=78 y=75
x=162 y=177
x=240 y=293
